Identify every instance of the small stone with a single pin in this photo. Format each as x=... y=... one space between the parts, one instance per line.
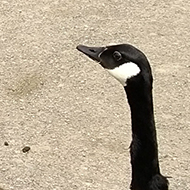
x=26 y=149
x=6 y=143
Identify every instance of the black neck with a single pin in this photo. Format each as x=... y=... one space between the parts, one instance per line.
x=144 y=151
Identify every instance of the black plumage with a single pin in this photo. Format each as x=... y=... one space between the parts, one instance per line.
x=137 y=83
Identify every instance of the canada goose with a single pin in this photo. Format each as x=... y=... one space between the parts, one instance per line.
x=131 y=68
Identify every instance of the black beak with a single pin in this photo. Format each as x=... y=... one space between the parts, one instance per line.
x=92 y=52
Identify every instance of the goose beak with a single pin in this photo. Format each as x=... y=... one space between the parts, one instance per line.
x=92 y=52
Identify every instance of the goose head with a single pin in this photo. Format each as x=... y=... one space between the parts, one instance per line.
x=124 y=62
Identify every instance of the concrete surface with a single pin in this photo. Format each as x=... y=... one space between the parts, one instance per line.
x=69 y=111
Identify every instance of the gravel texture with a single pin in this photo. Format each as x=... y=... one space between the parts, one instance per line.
x=70 y=113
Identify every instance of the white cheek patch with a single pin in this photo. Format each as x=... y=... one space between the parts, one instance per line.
x=124 y=72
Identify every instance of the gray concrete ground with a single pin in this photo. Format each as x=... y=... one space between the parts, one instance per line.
x=69 y=111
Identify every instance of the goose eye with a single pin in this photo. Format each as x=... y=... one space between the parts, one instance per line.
x=117 y=55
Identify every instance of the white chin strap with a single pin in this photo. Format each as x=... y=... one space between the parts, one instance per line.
x=124 y=72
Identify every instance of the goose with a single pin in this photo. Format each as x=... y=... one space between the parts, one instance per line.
x=131 y=68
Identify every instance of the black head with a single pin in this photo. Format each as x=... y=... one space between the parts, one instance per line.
x=124 y=61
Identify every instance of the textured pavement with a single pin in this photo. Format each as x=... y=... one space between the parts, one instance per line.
x=70 y=113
